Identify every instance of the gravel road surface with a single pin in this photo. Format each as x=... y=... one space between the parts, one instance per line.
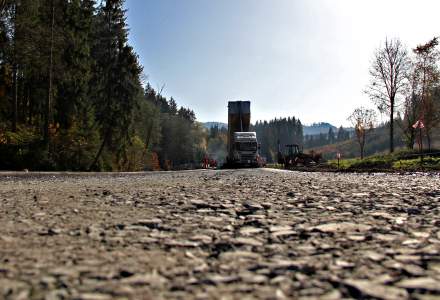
x=230 y=234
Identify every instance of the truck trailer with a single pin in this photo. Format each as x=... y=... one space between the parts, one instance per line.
x=242 y=143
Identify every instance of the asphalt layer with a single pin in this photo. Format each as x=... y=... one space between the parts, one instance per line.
x=228 y=234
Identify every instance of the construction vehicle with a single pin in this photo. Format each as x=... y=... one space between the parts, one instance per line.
x=242 y=143
x=294 y=156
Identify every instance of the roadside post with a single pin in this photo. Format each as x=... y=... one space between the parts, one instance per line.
x=338 y=156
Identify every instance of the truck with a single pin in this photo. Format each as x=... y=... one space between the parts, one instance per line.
x=242 y=143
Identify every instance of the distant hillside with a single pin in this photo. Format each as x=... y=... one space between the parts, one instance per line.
x=377 y=143
x=220 y=125
x=317 y=128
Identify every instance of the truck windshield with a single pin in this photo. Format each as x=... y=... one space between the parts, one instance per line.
x=246 y=146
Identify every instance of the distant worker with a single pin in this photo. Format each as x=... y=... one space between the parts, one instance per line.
x=213 y=163
x=205 y=162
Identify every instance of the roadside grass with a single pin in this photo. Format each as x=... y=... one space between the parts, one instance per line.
x=275 y=166
x=428 y=163
x=400 y=161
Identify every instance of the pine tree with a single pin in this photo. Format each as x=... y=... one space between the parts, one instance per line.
x=331 y=136
x=118 y=76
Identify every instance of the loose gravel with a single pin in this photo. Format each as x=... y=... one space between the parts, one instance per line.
x=231 y=234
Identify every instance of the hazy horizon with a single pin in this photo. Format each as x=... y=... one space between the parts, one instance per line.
x=307 y=59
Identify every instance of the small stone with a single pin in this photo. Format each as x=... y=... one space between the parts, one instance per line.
x=248 y=242
x=250 y=230
x=407 y=258
x=222 y=279
x=94 y=296
x=411 y=242
x=150 y=223
x=284 y=233
x=205 y=239
x=421 y=283
x=332 y=295
x=252 y=278
x=57 y=295
x=357 y=238
x=54 y=231
x=252 y=206
x=183 y=244
x=360 y=195
x=419 y=234
x=374 y=256
x=375 y=290
x=240 y=255
x=413 y=270
x=344 y=264
x=342 y=227
x=199 y=203
x=382 y=215
x=152 y=279
x=279 y=228
x=400 y=220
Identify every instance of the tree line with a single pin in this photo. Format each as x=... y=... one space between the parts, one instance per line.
x=72 y=95
x=322 y=139
x=277 y=132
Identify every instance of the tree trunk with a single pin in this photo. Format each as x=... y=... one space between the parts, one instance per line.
x=14 y=98
x=31 y=105
x=392 y=126
x=48 y=117
x=147 y=140
x=14 y=71
x=410 y=139
x=428 y=139
x=24 y=103
x=362 y=145
x=101 y=148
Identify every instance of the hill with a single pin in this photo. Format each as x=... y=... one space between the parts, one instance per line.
x=318 y=128
x=321 y=127
x=314 y=129
x=377 y=143
x=209 y=125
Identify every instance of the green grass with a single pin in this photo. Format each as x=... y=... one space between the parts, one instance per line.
x=428 y=163
x=399 y=161
x=403 y=160
x=275 y=166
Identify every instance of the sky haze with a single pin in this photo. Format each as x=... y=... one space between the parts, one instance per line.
x=302 y=58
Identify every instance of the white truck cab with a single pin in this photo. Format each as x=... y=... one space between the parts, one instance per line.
x=245 y=148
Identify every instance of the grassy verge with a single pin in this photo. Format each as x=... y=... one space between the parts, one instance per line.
x=275 y=166
x=399 y=161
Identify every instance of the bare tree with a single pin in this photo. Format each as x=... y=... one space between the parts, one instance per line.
x=426 y=65
x=363 y=120
x=388 y=79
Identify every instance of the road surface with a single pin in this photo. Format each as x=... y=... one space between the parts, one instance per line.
x=243 y=234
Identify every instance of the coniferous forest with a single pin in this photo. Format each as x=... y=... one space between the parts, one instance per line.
x=278 y=133
x=72 y=95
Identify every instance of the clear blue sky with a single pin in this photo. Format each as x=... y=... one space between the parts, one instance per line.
x=303 y=58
